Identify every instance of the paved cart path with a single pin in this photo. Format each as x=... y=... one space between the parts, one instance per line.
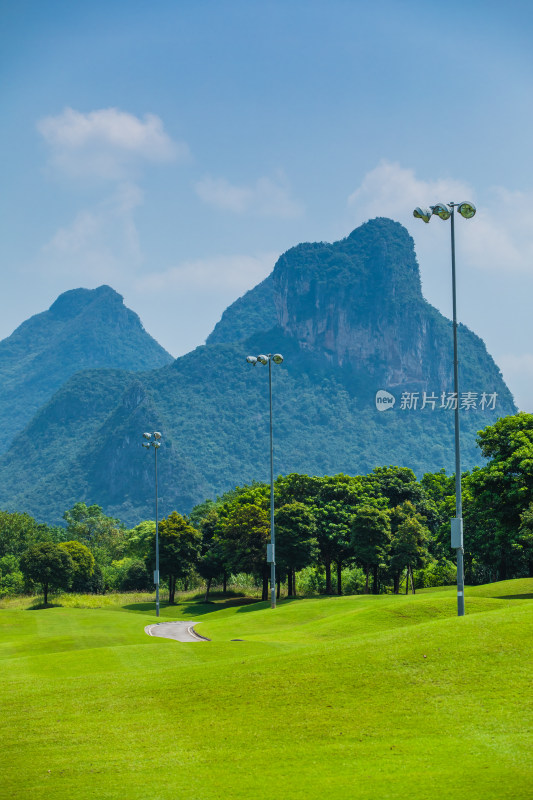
x=180 y=631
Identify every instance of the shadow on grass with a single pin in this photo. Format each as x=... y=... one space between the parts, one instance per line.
x=193 y=608
x=259 y=604
x=216 y=595
x=515 y=597
x=42 y=606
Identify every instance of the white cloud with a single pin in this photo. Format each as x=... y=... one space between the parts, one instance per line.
x=500 y=237
x=221 y=193
x=236 y=273
x=100 y=244
x=107 y=143
x=391 y=190
x=495 y=258
x=266 y=198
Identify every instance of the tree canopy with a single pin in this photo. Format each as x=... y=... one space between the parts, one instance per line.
x=179 y=550
x=49 y=565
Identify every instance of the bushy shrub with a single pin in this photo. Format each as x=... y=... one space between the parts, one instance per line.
x=438 y=573
x=11 y=578
x=136 y=578
x=353 y=581
x=243 y=581
x=311 y=580
x=115 y=573
x=84 y=563
x=95 y=583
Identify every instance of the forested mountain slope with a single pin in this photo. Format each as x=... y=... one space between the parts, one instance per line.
x=351 y=322
x=84 y=328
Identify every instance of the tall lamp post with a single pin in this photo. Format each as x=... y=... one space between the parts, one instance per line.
x=156 y=444
x=447 y=211
x=271 y=549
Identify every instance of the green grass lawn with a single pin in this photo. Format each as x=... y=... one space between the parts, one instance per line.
x=356 y=697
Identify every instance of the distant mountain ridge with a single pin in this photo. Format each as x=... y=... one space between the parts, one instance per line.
x=83 y=328
x=349 y=318
x=254 y=311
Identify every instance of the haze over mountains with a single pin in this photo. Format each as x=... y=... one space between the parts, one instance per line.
x=350 y=320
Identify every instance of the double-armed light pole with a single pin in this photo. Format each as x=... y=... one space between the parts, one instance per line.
x=447 y=211
x=271 y=549
x=155 y=442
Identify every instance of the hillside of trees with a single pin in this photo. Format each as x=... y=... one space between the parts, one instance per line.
x=349 y=318
x=382 y=532
x=82 y=329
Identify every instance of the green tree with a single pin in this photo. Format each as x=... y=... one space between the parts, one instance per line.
x=134 y=576
x=438 y=485
x=179 y=549
x=400 y=485
x=333 y=533
x=139 y=539
x=203 y=510
x=502 y=491
x=213 y=562
x=83 y=564
x=338 y=500
x=101 y=534
x=371 y=534
x=49 y=565
x=211 y=565
x=525 y=537
x=408 y=549
x=244 y=530
x=397 y=563
x=297 y=488
x=397 y=484
x=11 y=578
x=296 y=544
x=17 y=533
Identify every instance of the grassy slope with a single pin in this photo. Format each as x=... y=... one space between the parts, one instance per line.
x=355 y=697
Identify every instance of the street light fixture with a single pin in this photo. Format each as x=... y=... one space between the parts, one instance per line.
x=447 y=211
x=271 y=549
x=155 y=442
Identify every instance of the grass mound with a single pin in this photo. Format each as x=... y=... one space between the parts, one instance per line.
x=348 y=697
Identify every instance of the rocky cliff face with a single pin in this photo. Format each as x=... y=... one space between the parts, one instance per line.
x=358 y=303
x=350 y=319
x=357 y=306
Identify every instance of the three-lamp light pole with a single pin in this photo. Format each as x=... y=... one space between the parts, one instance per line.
x=155 y=442
x=447 y=211
x=271 y=549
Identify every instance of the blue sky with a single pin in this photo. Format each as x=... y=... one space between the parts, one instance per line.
x=175 y=149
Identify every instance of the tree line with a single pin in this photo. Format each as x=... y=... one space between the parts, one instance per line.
x=387 y=529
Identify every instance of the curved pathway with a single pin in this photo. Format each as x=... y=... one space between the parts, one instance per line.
x=180 y=631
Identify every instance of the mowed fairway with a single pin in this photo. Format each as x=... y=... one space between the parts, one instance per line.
x=344 y=697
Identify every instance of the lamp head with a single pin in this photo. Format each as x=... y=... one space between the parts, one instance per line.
x=147 y=435
x=146 y=444
x=262 y=359
x=251 y=360
x=157 y=435
x=441 y=210
x=156 y=444
x=466 y=210
x=277 y=358
x=422 y=213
